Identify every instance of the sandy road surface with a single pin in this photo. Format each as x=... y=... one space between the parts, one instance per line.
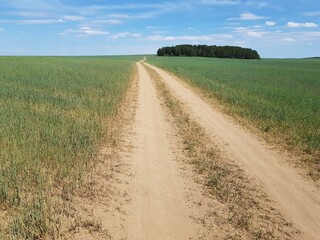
x=297 y=199
x=158 y=208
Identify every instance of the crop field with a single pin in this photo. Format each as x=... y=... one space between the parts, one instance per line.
x=64 y=173
x=280 y=97
x=51 y=125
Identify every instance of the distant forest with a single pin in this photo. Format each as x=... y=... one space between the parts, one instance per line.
x=209 y=51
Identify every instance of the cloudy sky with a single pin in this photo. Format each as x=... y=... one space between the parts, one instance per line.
x=275 y=28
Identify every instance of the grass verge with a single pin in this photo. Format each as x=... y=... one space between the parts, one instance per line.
x=88 y=215
x=52 y=122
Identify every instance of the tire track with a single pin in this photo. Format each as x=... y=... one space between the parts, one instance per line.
x=158 y=209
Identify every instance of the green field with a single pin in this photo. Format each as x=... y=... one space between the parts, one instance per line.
x=51 y=123
x=280 y=97
x=53 y=113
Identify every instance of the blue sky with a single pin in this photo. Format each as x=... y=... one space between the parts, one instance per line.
x=284 y=28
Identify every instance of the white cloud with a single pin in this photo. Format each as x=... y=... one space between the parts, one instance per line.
x=299 y=25
x=43 y=9
x=221 y=2
x=31 y=21
x=40 y=21
x=149 y=10
x=312 y=14
x=28 y=14
x=255 y=34
x=125 y=34
x=289 y=39
x=85 y=31
x=92 y=31
x=204 y=38
x=248 y=16
x=109 y=21
x=269 y=23
x=157 y=32
x=254 y=31
x=240 y=29
x=1 y=29
x=175 y=38
x=73 y=18
x=309 y=36
x=99 y=23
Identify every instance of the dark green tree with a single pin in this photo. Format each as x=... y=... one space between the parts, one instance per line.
x=209 y=51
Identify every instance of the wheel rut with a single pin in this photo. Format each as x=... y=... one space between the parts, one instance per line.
x=158 y=208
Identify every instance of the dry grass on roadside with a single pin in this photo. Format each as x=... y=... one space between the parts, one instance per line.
x=247 y=212
x=100 y=186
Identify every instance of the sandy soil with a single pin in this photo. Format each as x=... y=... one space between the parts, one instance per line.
x=158 y=209
x=296 y=198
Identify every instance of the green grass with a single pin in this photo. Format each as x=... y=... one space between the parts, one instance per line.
x=51 y=123
x=281 y=97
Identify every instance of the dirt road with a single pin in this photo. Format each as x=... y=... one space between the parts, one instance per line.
x=142 y=192
x=137 y=190
x=296 y=198
x=158 y=209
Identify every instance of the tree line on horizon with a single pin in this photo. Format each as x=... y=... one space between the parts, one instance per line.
x=209 y=51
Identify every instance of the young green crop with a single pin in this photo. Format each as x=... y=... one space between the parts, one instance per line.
x=281 y=97
x=51 y=124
